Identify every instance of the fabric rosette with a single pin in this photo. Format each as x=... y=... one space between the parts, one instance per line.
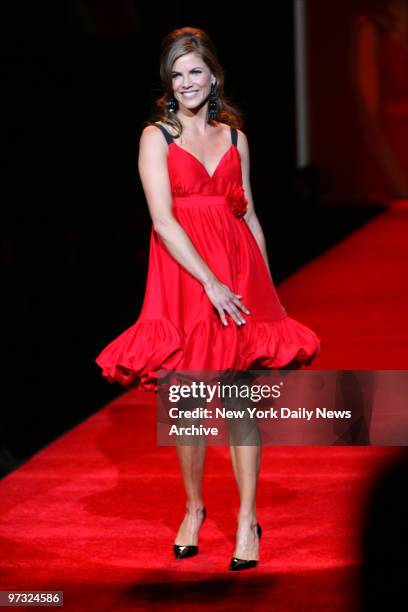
x=237 y=201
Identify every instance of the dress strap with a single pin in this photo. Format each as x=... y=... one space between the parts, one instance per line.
x=167 y=136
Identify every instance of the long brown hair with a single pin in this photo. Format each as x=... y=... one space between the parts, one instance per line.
x=177 y=43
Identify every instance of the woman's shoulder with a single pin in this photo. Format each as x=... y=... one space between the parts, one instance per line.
x=172 y=131
x=242 y=141
x=241 y=137
x=151 y=139
x=152 y=127
x=167 y=126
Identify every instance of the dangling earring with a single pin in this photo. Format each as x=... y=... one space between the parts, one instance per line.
x=172 y=104
x=213 y=103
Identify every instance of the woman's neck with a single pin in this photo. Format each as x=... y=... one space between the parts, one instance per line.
x=195 y=123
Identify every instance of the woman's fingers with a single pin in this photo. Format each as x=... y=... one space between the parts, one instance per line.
x=233 y=311
x=227 y=303
x=232 y=308
x=240 y=304
x=236 y=315
x=222 y=316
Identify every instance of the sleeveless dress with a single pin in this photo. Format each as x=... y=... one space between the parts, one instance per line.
x=178 y=328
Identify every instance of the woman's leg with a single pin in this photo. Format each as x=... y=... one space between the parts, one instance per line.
x=191 y=460
x=245 y=451
x=246 y=462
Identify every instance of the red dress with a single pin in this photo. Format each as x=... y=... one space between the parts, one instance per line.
x=178 y=327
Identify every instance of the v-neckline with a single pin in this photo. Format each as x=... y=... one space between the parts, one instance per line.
x=210 y=176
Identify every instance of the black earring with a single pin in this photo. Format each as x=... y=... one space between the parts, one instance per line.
x=213 y=103
x=172 y=104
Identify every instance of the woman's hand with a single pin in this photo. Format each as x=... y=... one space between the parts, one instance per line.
x=224 y=299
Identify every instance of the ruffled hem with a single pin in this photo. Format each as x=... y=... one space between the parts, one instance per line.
x=152 y=347
x=144 y=351
x=256 y=344
x=286 y=343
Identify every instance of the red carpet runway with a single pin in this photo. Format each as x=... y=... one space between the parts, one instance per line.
x=95 y=513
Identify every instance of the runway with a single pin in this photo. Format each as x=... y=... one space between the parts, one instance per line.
x=94 y=514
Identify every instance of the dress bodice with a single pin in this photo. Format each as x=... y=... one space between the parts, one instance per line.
x=188 y=175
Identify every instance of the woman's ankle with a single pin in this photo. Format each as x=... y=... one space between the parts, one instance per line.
x=247 y=516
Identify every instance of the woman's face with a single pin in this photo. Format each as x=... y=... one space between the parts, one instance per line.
x=191 y=80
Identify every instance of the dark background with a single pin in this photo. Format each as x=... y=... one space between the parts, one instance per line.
x=79 y=79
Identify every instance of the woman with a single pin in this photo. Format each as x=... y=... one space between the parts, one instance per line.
x=379 y=65
x=210 y=302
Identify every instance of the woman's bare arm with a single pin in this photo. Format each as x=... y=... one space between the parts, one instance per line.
x=152 y=165
x=153 y=171
x=251 y=216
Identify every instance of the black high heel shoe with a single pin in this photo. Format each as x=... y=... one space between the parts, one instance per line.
x=182 y=552
x=241 y=564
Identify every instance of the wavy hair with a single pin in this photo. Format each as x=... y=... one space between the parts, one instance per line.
x=175 y=44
